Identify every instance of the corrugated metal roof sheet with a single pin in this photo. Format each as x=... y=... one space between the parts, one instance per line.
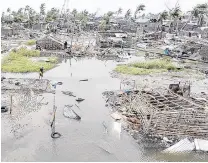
x=182 y=146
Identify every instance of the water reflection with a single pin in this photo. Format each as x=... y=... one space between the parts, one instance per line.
x=117 y=129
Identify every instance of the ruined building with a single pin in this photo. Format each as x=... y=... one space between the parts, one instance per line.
x=49 y=43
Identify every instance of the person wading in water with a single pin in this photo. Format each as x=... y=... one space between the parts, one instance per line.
x=41 y=73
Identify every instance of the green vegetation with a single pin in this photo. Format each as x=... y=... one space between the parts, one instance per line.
x=155 y=64
x=125 y=69
x=25 y=52
x=53 y=60
x=30 y=42
x=142 y=68
x=18 y=61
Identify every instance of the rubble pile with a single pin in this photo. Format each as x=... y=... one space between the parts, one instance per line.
x=49 y=43
x=4 y=48
x=161 y=115
x=10 y=84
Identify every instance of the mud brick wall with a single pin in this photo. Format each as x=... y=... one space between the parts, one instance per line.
x=52 y=54
x=204 y=53
x=50 y=44
x=181 y=123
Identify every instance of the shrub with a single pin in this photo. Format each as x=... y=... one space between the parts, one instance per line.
x=30 y=42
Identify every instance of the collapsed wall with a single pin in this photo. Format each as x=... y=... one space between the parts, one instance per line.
x=203 y=52
x=49 y=43
x=162 y=115
x=173 y=115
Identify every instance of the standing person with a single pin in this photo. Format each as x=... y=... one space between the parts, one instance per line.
x=41 y=73
x=65 y=45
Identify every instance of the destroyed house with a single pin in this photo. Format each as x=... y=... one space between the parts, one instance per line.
x=172 y=115
x=203 y=31
x=6 y=31
x=49 y=43
x=112 y=39
x=203 y=52
x=39 y=26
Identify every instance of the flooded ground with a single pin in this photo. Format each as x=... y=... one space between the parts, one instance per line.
x=97 y=137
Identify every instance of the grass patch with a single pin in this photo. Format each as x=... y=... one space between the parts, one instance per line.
x=148 y=67
x=30 y=42
x=25 y=52
x=53 y=60
x=155 y=64
x=18 y=61
x=125 y=69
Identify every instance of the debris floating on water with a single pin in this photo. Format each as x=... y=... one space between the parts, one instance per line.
x=80 y=99
x=70 y=113
x=68 y=93
x=84 y=80
x=116 y=116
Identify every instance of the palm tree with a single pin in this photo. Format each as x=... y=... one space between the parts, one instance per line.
x=2 y=17
x=110 y=13
x=85 y=12
x=20 y=11
x=176 y=14
x=74 y=12
x=119 y=12
x=163 y=16
x=26 y=12
x=42 y=9
x=128 y=14
x=102 y=25
x=139 y=8
x=9 y=10
x=199 y=12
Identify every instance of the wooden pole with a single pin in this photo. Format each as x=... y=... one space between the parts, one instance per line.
x=120 y=85
x=11 y=105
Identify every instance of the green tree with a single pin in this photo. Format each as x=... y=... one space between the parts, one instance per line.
x=119 y=12
x=3 y=17
x=26 y=12
x=102 y=26
x=9 y=14
x=9 y=11
x=163 y=16
x=84 y=18
x=74 y=13
x=176 y=15
x=110 y=13
x=42 y=9
x=52 y=15
x=128 y=14
x=139 y=8
x=18 y=16
x=199 y=12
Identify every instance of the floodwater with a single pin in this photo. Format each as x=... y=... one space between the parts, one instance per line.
x=97 y=137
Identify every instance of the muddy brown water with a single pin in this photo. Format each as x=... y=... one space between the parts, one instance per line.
x=85 y=140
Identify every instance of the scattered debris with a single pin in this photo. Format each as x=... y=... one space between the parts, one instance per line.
x=201 y=145
x=116 y=116
x=4 y=109
x=55 y=135
x=70 y=113
x=105 y=127
x=80 y=99
x=2 y=78
x=59 y=83
x=182 y=146
x=68 y=93
x=84 y=80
